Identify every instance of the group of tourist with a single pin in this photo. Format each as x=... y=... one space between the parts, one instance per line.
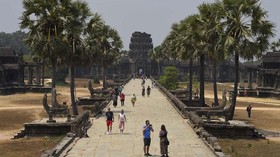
x=110 y=119
x=147 y=129
x=143 y=78
x=164 y=142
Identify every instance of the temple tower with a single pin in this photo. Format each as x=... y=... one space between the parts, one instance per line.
x=140 y=45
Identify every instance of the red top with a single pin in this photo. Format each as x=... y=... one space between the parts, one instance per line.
x=122 y=96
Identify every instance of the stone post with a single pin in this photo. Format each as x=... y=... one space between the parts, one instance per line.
x=38 y=82
x=241 y=79
x=30 y=74
x=250 y=82
x=21 y=74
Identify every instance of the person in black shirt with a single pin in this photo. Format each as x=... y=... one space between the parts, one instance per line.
x=109 y=120
x=148 y=91
x=249 y=110
x=143 y=91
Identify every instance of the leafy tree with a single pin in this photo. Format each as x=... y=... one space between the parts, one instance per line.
x=189 y=43
x=212 y=32
x=170 y=78
x=14 y=40
x=45 y=21
x=275 y=46
x=104 y=43
x=157 y=55
x=247 y=32
x=74 y=28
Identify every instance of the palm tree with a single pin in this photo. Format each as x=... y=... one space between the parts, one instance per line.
x=45 y=21
x=275 y=46
x=187 y=45
x=194 y=48
x=247 y=32
x=105 y=42
x=75 y=26
x=212 y=34
x=157 y=55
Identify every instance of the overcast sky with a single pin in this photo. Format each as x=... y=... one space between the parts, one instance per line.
x=126 y=16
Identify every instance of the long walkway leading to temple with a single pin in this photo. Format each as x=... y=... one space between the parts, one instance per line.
x=156 y=108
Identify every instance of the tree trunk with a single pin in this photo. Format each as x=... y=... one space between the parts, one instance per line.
x=72 y=89
x=53 y=72
x=236 y=60
x=190 y=81
x=215 y=82
x=43 y=72
x=201 y=80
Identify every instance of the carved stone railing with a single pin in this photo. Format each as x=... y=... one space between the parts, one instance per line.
x=80 y=125
x=96 y=108
x=54 y=110
x=180 y=106
x=99 y=92
x=217 y=111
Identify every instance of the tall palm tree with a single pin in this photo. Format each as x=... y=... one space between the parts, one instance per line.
x=196 y=46
x=187 y=42
x=247 y=32
x=45 y=22
x=212 y=34
x=74 y=28
x=157 y=54
x=105 y=42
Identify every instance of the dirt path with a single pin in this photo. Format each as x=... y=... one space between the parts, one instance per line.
x=259 y=108
x=21 y=107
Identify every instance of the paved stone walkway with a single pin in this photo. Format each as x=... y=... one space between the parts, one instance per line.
x=156 y=108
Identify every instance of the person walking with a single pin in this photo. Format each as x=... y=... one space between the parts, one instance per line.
x=143 y=91
x=147 y=137
x=122 y=121
x=163 y=141
x=249 y=109
x=133 y=99
x=148 y=91
x=109 y=120
x=122 y=98
x=115 y=100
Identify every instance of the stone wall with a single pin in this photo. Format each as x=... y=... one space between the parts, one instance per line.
x=50 y=129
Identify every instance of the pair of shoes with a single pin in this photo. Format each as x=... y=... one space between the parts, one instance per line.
x=107 y=133
x=145 y=154
x=149 y=154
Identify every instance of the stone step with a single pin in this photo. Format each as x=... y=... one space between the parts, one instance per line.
x=21 y=134
x=258 y=134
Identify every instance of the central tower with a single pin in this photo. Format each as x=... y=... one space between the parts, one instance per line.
x=140 y=45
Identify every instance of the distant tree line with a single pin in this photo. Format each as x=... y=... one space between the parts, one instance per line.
x=14 y=40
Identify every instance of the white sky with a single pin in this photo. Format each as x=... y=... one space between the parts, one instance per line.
x=126 y=16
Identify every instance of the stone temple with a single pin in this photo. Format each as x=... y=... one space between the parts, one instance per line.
x=141 y=44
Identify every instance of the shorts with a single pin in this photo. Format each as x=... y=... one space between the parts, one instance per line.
x=147 y=141
x=109 y=123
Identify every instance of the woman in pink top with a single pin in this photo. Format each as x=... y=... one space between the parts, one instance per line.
x=122 y=120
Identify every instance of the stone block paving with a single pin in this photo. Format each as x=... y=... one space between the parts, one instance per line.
x=156 y=108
